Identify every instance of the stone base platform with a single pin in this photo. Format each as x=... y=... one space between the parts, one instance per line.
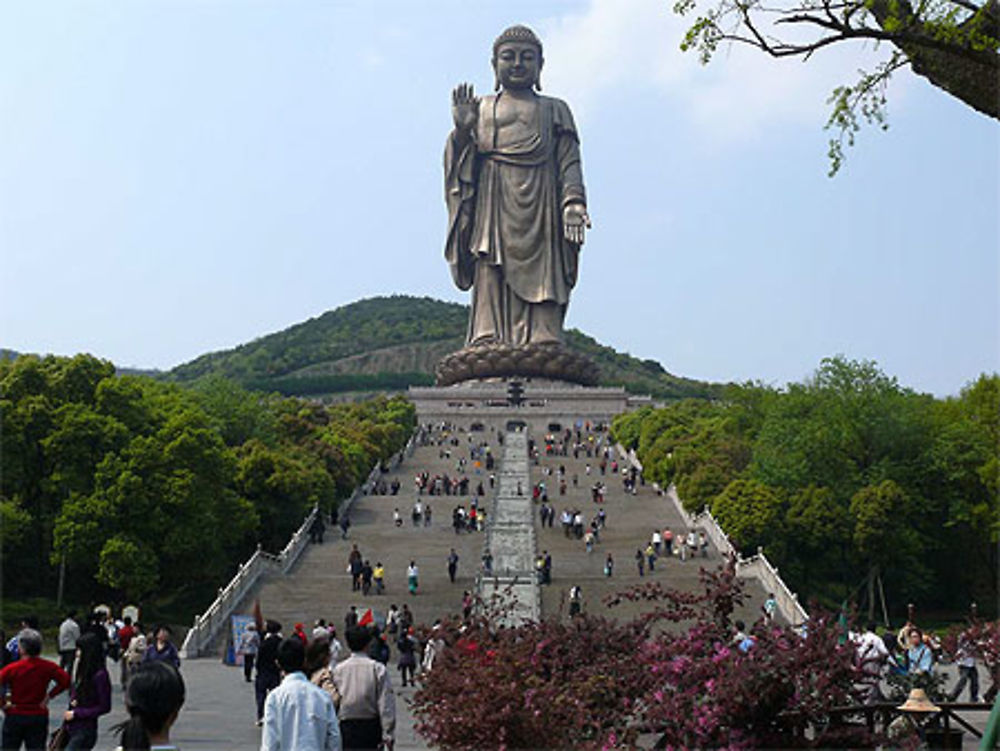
x=547 y=406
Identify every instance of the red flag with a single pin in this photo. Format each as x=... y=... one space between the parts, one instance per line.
x=258 y=618
x=367 y=618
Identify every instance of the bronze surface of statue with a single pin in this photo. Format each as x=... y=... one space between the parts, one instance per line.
x=517 y=215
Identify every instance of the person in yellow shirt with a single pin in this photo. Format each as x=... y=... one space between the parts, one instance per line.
x=378 y=575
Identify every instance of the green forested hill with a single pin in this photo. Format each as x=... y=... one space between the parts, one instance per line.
x=389 y=343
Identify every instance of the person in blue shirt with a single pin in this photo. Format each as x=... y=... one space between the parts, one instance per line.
x=919 y=658
x=298 y=715
x=12 y=647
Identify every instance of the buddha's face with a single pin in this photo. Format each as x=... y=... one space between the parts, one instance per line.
x=518 y=65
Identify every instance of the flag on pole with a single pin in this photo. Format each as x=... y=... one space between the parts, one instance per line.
x=258 y=618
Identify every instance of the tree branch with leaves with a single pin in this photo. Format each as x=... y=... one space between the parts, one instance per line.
x=953 y=44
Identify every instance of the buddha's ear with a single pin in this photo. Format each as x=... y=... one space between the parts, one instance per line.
x=496 y=76
x=538 y=81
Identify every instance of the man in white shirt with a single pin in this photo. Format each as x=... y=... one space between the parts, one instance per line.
x=298 y=716
x=871 y=655
x=69 y=633
x=368 y=703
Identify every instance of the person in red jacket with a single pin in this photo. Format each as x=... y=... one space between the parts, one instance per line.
x=27 y=705
x=125 y=635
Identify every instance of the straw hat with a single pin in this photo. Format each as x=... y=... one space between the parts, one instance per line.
x=917 y=701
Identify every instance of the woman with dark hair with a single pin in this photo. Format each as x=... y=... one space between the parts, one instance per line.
x=154 y=699
x=90 y=694
x=317 y=667
x=407 y=646
x=163 y=650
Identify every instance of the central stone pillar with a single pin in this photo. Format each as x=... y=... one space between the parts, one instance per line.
x=510 y=537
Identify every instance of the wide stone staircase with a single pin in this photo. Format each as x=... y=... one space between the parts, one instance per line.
x=319 y=586
x=630 y=521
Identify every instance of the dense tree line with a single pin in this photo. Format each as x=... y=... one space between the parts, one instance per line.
x=139 y=486
x=845 y=480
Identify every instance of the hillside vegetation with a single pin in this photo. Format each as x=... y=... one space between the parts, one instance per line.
x=389 y=343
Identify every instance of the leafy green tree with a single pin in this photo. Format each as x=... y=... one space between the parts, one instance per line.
x=78 y=440
x=751 y=513
x=238 y=414
x=964 y=463
x=75 y=379
x=819 y=531
x=282 y=486
x=129 y=567
x=170 y=490
x=127 y=400
x=849 y=426
x=884 y=537
x=953 y=44
x=27 y=409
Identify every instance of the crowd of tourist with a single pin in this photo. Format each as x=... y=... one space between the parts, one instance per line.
x=148 y=663
x=313 y=693
x=320 y=688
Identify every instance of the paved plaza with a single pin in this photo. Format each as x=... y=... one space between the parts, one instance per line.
x=219 y=710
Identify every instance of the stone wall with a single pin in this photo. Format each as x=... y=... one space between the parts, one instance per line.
x=547 y=406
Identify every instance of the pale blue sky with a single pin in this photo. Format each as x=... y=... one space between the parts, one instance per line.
x=178 y=177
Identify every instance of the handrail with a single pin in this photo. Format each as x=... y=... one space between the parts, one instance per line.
x=207 y=625
x=756 y=566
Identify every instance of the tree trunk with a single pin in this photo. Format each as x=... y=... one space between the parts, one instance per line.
x=977 y=83
x=971 y=75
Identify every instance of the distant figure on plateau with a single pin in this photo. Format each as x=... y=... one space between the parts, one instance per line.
x=517 y=208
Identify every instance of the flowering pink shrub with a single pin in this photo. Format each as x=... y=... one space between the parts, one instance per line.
x=674 y=672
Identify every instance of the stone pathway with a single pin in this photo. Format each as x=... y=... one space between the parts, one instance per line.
x=511 y=537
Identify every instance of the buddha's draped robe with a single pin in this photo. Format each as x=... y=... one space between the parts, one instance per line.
x=505 y=222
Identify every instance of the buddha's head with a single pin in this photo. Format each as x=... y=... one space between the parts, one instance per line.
x=517 y=59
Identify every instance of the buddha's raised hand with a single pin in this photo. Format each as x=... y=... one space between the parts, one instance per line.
x=464 y=106
x=576 y=221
